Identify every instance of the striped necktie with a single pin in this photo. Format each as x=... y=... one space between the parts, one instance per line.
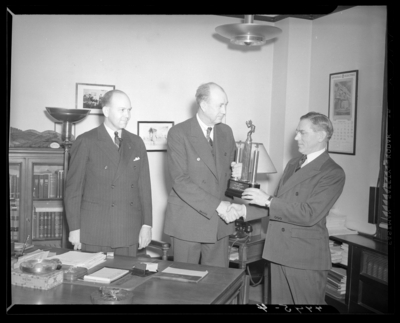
x=117 y=140
x=301 y=162
x=209 y=129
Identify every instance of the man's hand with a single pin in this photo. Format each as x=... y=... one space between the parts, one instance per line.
x=144 y=236
x=236 y=170
x=229 y=212
x=75 y=239
x=255 y=196
x=239 y=210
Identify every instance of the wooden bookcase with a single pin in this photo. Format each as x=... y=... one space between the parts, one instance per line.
x=367 y=276
x=36 y=180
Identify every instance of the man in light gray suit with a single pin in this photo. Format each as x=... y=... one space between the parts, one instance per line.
x=108 y=193
x=200 y=153
x=297 y=240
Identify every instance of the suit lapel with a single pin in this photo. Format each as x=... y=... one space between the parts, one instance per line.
x=202 y=147
x=291 y=178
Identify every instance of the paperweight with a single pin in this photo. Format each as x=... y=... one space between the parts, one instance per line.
x=109 y=295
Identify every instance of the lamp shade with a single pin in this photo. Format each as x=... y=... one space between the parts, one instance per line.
x=265 y=165
x=248 y=33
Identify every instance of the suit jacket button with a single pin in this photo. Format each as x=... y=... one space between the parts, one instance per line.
x=132 y=186
x=112 y=205
x=198 y=159
x=297 y=193
x=131 y=203
x=283 y=229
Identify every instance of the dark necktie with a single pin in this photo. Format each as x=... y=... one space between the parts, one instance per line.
x=117 y=140
x=301 y=162
x=208 y=136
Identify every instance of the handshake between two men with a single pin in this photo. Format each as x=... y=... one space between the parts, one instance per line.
x=230 y=212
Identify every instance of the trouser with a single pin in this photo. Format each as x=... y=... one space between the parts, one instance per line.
x=297 y=286
x=211 y=254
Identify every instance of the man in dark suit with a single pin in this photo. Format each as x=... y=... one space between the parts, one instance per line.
x=108 y=193
x=297 y=240
x=200 y=153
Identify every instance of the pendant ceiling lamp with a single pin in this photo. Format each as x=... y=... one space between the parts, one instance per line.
x=248 y=33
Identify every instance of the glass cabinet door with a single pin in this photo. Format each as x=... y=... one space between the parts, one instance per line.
x=15 y=192
x=47 y=204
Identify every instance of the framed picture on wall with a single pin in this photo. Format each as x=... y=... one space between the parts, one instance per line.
x=343 y=112
x=88 y=96
x=154 y=134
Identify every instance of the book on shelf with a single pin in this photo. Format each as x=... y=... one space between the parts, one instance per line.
x=60 y=183
x=183 y=275
x=14 y=219
x=106 y=275
x=331 y=291
x=47 y=184
x=47 y=219
x=340 y=286
x=14 y=186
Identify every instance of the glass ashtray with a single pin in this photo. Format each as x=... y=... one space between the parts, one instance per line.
x=40 y=266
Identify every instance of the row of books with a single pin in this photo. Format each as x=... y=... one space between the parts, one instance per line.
x=14 y=219
x=48 y=185
x=14 y=186
x=336 y=284
x=47 y=219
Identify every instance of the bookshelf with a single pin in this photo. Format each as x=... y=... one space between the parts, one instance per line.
x=36 y=195
x=366 y=276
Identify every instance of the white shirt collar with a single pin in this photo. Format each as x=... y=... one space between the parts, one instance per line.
x=111 y=132
x=204 y=127
x=312 y=156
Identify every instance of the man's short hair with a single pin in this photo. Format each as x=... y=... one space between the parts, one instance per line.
x=106 y=98
x=203 y=92
x=319 y=122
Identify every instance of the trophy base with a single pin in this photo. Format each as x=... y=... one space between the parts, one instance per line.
x=236 y=187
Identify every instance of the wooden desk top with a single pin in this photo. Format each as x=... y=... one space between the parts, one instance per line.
x=214 y=288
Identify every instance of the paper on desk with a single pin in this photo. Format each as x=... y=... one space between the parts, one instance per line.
x=178 y=271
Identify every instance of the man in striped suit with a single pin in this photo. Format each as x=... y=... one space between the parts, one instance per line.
x=297 y=240
x=108 y=193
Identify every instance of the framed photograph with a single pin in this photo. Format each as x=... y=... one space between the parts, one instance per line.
x=88 y=96
x=343 y=112
x=154 y=134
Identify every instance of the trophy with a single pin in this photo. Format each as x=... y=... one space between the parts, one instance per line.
x=248 y=153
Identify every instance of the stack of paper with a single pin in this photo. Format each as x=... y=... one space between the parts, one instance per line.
x=184 y=275
x=345 y=253
x=336 y=252
x=336 y=224
x=336 y=282
x=106 y=275
x=81 y=259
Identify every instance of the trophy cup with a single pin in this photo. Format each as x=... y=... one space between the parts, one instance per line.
x=248 y=153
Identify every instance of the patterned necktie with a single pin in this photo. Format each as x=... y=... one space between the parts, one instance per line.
x=301 y=162
x=117 y=140
x=208 y=136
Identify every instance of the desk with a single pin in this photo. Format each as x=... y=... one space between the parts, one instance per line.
x=219 y=286
x=250 y=251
